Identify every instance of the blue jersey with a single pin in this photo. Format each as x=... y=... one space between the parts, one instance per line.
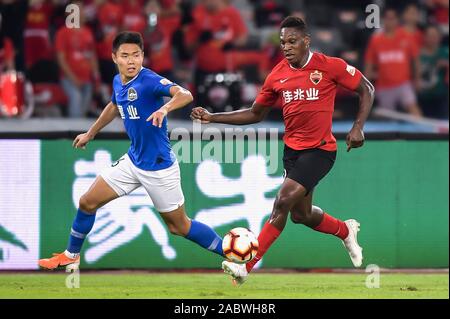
x=136 y=100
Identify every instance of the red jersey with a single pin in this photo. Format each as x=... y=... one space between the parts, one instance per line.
x=78 y=46
x=225 y=25
x=38 y=16
x=159 y=44
x=133 y=16
x=392 y=56
x=110 y=16
x=307 y=98
x=36 y=34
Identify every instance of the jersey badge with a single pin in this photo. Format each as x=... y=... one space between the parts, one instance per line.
x=351 y=69
x=165 y=82
x=132 y=94
x=315 y=77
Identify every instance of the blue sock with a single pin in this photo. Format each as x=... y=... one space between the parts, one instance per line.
x=81 y=226
x=206 y=237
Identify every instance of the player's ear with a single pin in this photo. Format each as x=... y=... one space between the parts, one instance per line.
x=307 y=41
x=113 y=56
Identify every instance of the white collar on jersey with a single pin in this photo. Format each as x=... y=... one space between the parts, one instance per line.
x=307 y=61
x=134 y=77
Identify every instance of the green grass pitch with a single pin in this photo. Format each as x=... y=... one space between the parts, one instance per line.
x=216 y=286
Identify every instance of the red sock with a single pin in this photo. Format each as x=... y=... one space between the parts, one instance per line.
x=334 y=226
x=268 y=235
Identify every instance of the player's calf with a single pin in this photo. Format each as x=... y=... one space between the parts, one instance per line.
x=81 y=227
x=87 y=205
x=299 y=219
x=203 y=235
x=178 y=229
x=332 y=226
x=281 y=208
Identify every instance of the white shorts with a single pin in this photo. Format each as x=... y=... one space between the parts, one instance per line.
x=163 y=186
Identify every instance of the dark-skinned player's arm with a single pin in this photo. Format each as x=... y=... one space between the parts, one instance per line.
x=180 y=98
x=108 y=114
x=366 y=92
x=251 y=115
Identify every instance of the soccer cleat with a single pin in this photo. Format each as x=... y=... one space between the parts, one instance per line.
x=351 y=242
x=60 y=260
x=238 y=272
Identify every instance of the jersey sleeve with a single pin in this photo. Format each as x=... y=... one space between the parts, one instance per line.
x=161 y=86
x=113 y=92
x=113 y=97
x=267 y=96
x=345 y=74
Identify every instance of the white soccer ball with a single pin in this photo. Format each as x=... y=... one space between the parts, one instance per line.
x=240 y=245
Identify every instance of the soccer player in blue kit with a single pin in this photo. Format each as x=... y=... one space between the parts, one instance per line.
x=138 y=98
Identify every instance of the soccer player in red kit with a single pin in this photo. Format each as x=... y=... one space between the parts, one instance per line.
x=306 y=83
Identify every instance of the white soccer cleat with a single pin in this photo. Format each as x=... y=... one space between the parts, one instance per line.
x=351 y=242
x=238 y=272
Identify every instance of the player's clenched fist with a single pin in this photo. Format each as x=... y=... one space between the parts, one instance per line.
x=81 y=140
x=201 y=115
x=355 y=138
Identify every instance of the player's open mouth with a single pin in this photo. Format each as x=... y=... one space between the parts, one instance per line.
x=131 y=69
x=289 y=56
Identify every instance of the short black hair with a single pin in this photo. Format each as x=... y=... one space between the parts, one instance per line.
x=294 y=22
x=127 y=37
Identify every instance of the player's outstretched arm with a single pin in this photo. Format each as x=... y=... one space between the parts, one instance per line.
x=251 y=115
x=366 y=92
x=180 y=98
x=108 y=114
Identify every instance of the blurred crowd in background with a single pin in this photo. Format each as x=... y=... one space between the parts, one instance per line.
x=221 y=50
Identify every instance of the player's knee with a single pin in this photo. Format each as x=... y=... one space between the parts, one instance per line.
x=301 y=216
x=283 y=204
x=296 y=218
x=87 y=205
